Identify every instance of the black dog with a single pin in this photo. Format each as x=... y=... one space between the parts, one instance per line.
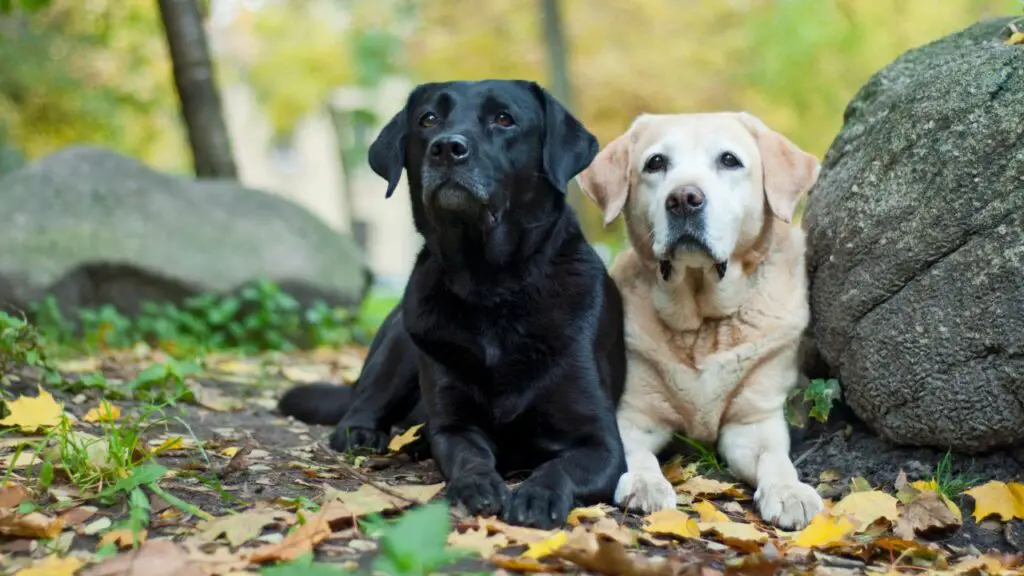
x=509 y=323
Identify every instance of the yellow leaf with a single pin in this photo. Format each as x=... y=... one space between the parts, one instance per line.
x=518 y=534
x=609 y=528
x=824 y=530
x=478 y=541
x=172 y=443
x=588 y=513
x=522 y=564
x=32 y=525
x=240 y=528
x=672 y=522
x=367 y=499
x=297 y=543
x=230 y=451
x=745 y=537
x=123 y=537
x=600 y=555
x=405 y=438
x=104 y=412
x=52 y=566
x=997 y=498
x=708 y=513
x=547 y=546
x=1016 y=38
x=701 y=486
x=868 y=506
x=30 y=414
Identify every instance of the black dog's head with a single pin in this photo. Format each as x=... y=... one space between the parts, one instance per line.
x=487 y=156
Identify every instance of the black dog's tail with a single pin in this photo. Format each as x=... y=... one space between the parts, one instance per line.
x=319 y=403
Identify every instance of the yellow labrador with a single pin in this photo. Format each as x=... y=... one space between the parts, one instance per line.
x=715 y=294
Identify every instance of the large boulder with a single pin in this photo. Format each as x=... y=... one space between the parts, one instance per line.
x=916 y=245
x=92 y=227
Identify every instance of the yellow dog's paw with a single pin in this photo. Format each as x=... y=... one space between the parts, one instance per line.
x=645 y=491
x=788 y=505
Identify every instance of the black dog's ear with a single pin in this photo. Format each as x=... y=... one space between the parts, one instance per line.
x=568 y=146
x=387 y=153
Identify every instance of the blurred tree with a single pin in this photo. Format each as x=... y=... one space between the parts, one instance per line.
x=197 y=89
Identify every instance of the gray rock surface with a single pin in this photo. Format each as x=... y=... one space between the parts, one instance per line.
x=916 y=246
x=92 y=227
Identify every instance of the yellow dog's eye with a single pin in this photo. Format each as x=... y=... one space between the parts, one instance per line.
x=504 y=119
x=428 y=119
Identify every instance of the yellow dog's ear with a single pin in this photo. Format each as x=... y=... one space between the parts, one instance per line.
x=606 y=180
x=789 y=172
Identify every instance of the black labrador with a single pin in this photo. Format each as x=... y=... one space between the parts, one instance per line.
x=509 y=325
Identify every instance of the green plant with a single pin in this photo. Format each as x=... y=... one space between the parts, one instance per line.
x=304 y=566
x=105 y=327
x=946 y=482
x=162 y=383
x=21 y=345
x=707 y=459
x=822 y=394
x=416 y=543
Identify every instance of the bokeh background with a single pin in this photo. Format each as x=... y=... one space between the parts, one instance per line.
x=305 y=84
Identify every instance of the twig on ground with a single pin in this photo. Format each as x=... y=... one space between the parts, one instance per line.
x=809 y=451
x=350 y=471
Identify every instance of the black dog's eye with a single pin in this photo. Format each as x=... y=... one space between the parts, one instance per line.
x=428 y=119
x=504 y=119
x=729 y=160
x=656 y=163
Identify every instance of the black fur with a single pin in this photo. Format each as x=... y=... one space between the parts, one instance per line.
x=509 y=325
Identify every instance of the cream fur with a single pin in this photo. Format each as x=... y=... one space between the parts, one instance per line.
x=712 y=358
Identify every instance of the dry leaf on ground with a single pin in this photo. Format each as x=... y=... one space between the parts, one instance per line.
x=479 y=541
x=52 y=566
x=547 y=546
x=595 y=512
x=79 y=365
x=701 y=486
x=104 y=412
x=154 y=558
x=405 y=438
x=516 y=534
x=606 y=556
x=214 y=399
x=238 y=529
x=340 y=504
x=867 y=506
x=13 y=494
x=298 y=542
x=927 y=513
x=32 y=525
x=708 y=513
x=1016 y=38
x=997 y=498
x=521 y=564
x=30 y=414
x=824 y=530
x=745 y=537
x=671 y=522
x=124 y=538
x=609 y=528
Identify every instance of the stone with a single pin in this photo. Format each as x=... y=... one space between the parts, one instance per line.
x=92 y=227
x=916 y=246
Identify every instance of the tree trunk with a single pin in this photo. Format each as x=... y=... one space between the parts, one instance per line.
x=200 y=102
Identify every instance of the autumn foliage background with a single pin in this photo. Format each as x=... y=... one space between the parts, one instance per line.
x=97 y=71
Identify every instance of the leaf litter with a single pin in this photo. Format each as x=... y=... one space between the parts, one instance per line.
x=265 y=507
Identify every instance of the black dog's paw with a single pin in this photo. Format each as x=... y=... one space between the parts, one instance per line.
x=353 y=439
x=537 y=506
x=481 y=494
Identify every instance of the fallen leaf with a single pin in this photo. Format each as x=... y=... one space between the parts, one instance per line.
x=19 y=460
x=367 y=499
x=1016 y=38
x=745 y=537
x=230 y=451
x=607 y=556
x=926 y=514
x=521 y=564
x=214 y=399
x=307 y=374
x=405 y=438
x=52 y=566
x=79 y=365
x=30 y=414
x=701 y=486
x=595 y=512
x=708 y=513
x=13 y=494
x=221 y=562
x=824 y=530
x=987 y=564
x=830 y=475
x=997 y=498
x=297 y=543
x=78 y=515
x=671 y=522
x=860 y=484
x=547 y=546
x=609 y=528
x=867 y=506
x=96 y=526
x=238 y=529
x=516 y=534
x=676 y=473
x=31 y=525
x=153 y=558
x=105 y=412
x=123 y=537
x=478 y=541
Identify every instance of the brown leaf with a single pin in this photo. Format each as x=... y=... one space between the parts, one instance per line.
x=609 y=528
x=928 y=514
x=32 y=525
x=517 y=534
x=606 y=556
x=701 y=486
x=154 y=558
x=13 y=494
x=588 y=513
x=521 y=564
x=238 y=529
x=367 y=500
x=78 y=515
x=123 y=537
x=478 y=541
x=298 y=542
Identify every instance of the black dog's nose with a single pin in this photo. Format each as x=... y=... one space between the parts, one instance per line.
x=685 y=200
x=449 y=149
